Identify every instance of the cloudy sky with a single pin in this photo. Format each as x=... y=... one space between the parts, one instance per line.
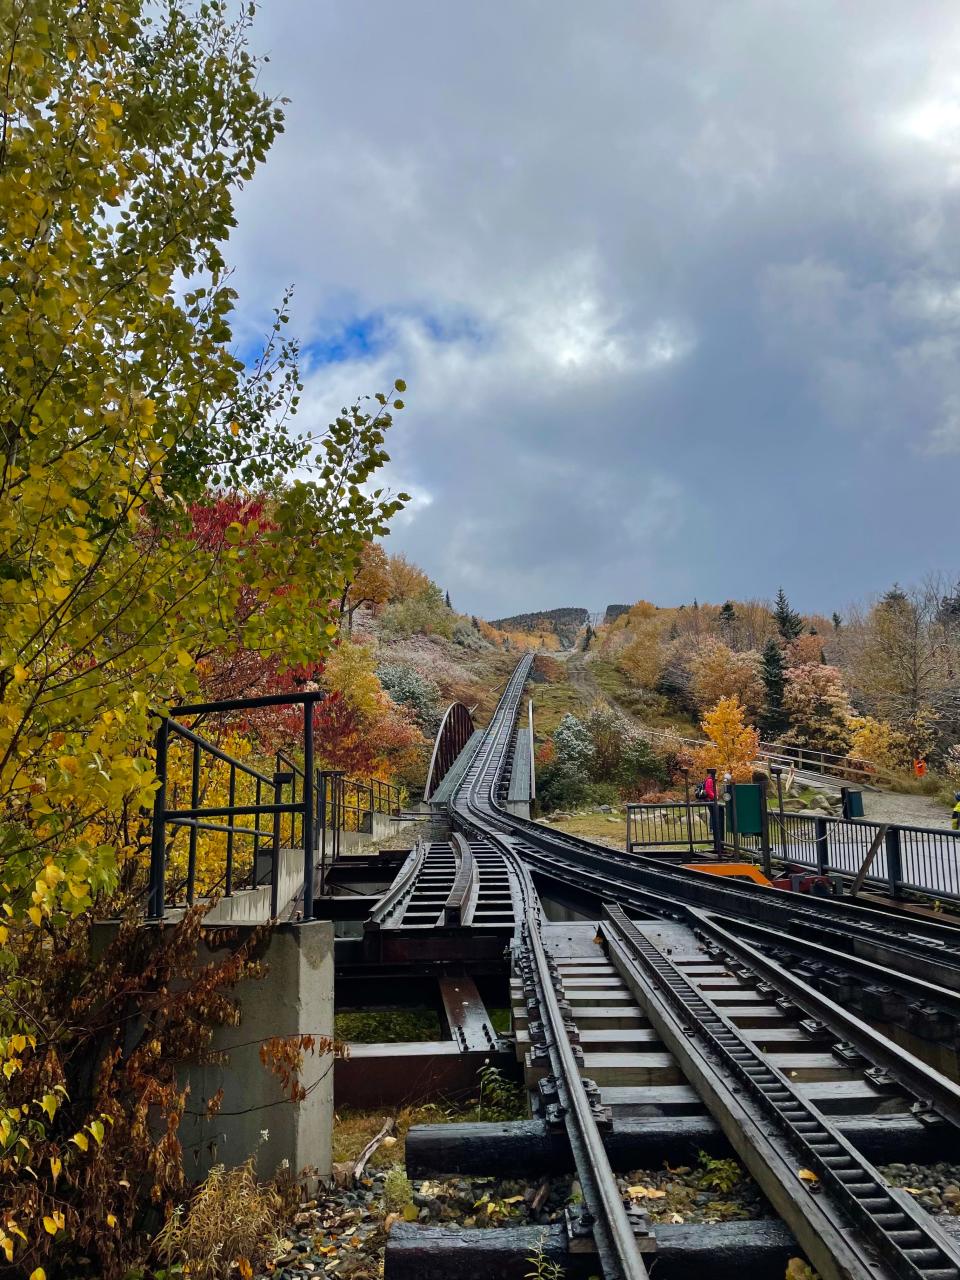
x=675 y=286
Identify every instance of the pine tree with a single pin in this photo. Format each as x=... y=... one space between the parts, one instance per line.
x=773 y=720
x=789 y=624
x=837 y=621
x=587 y=637
x=727 y=621
x=446 y=600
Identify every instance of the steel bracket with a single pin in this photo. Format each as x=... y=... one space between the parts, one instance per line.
x=579 y=1224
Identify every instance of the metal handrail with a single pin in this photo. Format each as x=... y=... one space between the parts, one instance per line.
x=196 y=816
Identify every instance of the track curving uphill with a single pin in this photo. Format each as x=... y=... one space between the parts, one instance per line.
x=855 y=1226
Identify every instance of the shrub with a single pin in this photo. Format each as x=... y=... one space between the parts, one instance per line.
x=397 y=1189
x=408 y=688
x=230 y=1221
x=468 y=636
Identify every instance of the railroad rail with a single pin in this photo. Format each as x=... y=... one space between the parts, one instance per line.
x=839 y=1207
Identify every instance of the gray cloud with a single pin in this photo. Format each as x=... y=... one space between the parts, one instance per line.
x=674 y=287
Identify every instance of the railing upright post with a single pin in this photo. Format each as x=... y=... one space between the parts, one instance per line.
x=278 y=779
x=733 y=818
x=781 y=818
x=309 y=840
x=258 y=800
x=338 y=799
x=765 y=859
x=894 y=861
x=157 y=841
x=821 y=840
x=686 y=793
x=228 y=886
x=322 y=794
x=194 y=804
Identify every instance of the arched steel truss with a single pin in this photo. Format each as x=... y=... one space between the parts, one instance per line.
x=456 y=729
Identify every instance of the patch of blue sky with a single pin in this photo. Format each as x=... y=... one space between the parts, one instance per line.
x=361 y=338
x=365 y=337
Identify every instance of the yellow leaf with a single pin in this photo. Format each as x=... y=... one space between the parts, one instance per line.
x=245 y=1269
x=111 y=1220
x=49 y=1104
x=49 y=1225
x=35 y=915
x=55 y=1167
x=645 y=1193
x=20 y=673
x=4 y=934
x=38 y=1274
x=184 y=659
x=6 y=1244
x=512 y=1200
x=81 y=1140
x=96 y=1128
x=235 y=428
x=807 y=1175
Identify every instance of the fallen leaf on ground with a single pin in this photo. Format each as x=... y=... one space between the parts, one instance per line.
x=646 y=1193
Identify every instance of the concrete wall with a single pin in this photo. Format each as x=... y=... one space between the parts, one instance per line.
x=252 y=906
x=295 y=997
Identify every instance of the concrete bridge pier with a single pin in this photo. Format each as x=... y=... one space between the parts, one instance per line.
x=293 y=998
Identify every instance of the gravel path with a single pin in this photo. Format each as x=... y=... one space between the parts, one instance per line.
x=912 y=811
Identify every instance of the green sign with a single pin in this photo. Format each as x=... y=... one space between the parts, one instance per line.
x=747 y=796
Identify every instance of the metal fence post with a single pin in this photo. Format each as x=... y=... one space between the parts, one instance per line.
x=765 y=833
x=338 y=800
x=732 y=793
x=322 y=794
x=686 y=792
x=157 y=842
x=822 y=843
x=309 y=842
x=278 y=780
x=228 y=886
x=194 y=832
x=778 y=774
x=894 y=863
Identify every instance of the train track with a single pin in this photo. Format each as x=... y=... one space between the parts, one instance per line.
x=851 y=1224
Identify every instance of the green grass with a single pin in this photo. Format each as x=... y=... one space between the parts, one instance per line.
x=650 y=708
x=386 y=1026
x=551 y=702
x=608 y=828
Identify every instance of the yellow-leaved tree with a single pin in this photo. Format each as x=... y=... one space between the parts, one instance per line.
x=126 y=128
x=733 y=744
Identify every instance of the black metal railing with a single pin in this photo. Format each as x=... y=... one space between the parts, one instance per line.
x=899 y=858
x=691 y=825
x=197 y=816
x=298 y=806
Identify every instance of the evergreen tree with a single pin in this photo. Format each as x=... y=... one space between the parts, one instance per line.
x=789 y=624
x=587 y=637
x=446 y=600
x=728 y=613
x=837 y=621
x=773 y=720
